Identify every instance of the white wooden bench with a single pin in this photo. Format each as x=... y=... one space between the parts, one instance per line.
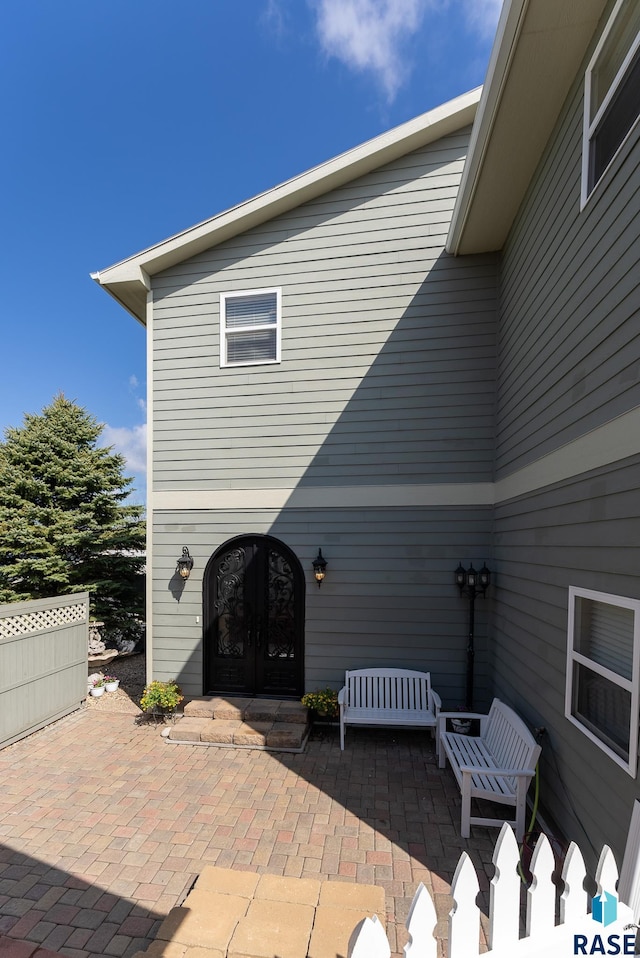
x=383 y=697
x=496 y=765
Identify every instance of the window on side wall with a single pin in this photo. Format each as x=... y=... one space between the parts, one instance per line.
x=612 y=93
x=603 y=658
x=250 y=328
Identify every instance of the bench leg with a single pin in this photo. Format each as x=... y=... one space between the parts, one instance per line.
x=442 y=758
x=341 y=735
x=465 y=826
x=521 y=808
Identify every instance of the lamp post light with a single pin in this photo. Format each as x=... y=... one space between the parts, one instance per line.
x=472 y=583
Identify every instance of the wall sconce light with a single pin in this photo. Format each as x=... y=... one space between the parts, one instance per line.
x=319 y=567
x=472 y=583
x=184 y=564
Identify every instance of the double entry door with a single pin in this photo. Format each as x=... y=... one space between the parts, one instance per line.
x=254 y=619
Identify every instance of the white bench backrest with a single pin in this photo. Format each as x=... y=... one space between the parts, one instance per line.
x=388 y=688
x=508 y=738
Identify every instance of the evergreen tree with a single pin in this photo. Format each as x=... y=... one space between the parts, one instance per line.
x=64 y=526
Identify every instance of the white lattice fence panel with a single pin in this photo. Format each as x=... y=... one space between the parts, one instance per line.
x=28 y=622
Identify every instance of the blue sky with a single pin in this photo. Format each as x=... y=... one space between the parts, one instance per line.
x=126 y=121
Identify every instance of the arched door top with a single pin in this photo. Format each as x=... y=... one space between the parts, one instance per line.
x=254 y=619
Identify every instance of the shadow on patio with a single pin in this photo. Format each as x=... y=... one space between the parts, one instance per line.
x=106 y=807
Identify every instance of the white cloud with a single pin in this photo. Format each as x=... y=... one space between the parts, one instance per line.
x=371 y=35
x=130 y=443
x=274 y=16
x=482 y=15
x=133 y=381
x=368 y=35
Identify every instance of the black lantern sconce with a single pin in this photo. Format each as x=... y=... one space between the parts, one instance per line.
x=319 y=567
x=184 y=564
x=472 y=583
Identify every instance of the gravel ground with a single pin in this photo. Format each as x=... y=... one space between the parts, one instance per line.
x=130 y=669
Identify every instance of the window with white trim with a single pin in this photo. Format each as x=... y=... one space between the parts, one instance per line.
x=603 y=658
x=250 y=327
x=612 y=93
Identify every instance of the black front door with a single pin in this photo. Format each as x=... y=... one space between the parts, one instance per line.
x=254 y=619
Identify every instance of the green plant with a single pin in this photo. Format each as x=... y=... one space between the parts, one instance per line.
x=322 y=701
x=165 y=696
x=97 y=683
x=109 y=678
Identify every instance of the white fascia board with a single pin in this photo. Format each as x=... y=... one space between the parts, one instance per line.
x=539 y=47
x=507 y=33
x=410 y=136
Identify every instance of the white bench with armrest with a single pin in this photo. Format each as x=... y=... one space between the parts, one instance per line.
x=497 y=765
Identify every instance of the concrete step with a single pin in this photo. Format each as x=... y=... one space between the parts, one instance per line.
x=243 y=723
x=235 y=914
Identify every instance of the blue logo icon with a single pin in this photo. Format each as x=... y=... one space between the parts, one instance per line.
x=604 y=908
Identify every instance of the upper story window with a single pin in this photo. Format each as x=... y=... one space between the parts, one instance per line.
x=250 y=328
x=603 y=659
x=612 y=92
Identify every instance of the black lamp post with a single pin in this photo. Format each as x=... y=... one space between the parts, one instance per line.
x=471 y=583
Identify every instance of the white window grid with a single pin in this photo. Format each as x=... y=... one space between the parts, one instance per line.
x=590 y=126
x=240 y=329
x=629 y=685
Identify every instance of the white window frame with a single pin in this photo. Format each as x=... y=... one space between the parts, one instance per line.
x=240 y=329
x=630 y=685
x=590 y=126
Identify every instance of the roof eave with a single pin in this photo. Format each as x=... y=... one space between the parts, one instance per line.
x=128 y=280
x=538 y=50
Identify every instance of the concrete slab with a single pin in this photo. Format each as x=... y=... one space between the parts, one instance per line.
x=286 y=735
x=369 y=898
x=200 y=708
x=209 y=921
x=273 y=928
x=293 y=712
x=227 y=881
x=261 y=710
x=188 y=729
x=302 y=891
x=230 y=708
x=253 y=734
x=220 y=731
x=332 y=931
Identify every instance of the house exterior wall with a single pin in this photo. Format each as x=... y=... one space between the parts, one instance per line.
x=388 y=598
x=372 y=439
x=568 y=398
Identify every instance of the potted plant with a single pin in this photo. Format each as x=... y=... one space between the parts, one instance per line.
x=97 y=687
x=323 y=703
x=161 y=698
x=111 y=683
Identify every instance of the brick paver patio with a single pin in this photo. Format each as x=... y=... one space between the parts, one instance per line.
x=104 y=826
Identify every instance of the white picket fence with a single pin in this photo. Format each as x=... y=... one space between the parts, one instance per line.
x=549 y=932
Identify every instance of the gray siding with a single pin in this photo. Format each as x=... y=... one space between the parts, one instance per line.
x=388 y=599
x=569 y=339
x=584 y=533
x=568 y=361
x=388 y=345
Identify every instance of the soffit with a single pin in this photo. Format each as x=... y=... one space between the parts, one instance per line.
x=538 y=51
